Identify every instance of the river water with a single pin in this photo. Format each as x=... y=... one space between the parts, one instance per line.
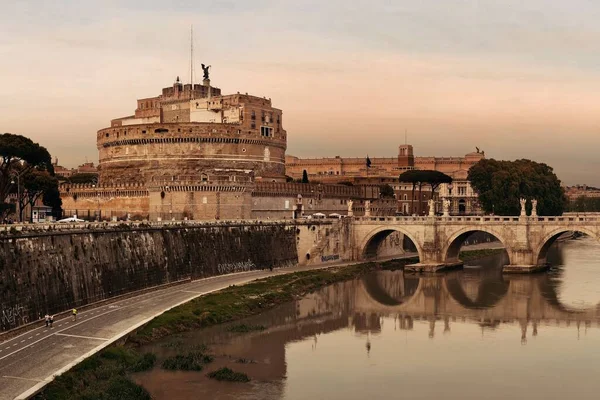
x=469 y=334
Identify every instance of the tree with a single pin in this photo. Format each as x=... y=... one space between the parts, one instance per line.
x=17 y=151
x=36 y=184
x=500 y=185
x=304 y=176
x=386 y=191
x=435 y=179
x=413 y=177
x=418 y=178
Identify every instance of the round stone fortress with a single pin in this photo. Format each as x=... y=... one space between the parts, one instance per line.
x=187 y=136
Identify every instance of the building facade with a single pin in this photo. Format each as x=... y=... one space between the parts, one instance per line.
x=193 y=152
x=387 y=170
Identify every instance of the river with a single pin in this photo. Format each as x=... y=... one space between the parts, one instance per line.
x=469 y=334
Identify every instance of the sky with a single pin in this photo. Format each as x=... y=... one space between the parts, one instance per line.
x=518 y=79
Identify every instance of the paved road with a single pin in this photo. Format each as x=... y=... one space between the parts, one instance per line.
x=31 y=360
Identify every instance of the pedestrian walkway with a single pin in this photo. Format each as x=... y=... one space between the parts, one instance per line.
x=31 y=360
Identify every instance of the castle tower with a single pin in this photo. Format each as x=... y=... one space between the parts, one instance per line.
x=406 y=157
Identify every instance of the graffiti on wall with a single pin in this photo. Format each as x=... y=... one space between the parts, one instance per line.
x=333 y=257
x=13 y=316
x=241 y=266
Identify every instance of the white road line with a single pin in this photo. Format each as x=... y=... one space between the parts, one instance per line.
x=81 y=337
x=24 y=379
x=37 y=334
x=30 y=337
x=47 y=336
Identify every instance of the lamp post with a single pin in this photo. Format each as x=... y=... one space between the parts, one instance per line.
x=18 y=198
x=18 y=176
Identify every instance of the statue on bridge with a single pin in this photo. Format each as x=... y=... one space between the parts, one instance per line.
x=431 y=204
x=367 y=208
x=350 y=210
x=446 y=207
x=534 y=208
x=523 y=203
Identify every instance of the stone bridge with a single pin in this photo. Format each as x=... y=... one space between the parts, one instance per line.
x=438 y=239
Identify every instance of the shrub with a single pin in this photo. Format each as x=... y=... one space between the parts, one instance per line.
x=193 y=361
x=226 y=374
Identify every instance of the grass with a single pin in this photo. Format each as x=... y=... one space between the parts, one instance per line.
x=243 y=328
x=237 y=302
x=193 y=361
x=102 y=377
x=226 y=374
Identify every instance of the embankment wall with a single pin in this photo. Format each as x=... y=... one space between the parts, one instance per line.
x=52 y=272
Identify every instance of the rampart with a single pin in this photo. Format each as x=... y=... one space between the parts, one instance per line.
x=54 y=268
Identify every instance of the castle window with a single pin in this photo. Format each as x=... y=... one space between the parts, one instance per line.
x=266 y=131
x=161 y=130
x=253 y=115
x=253 y=125
x=204 y=178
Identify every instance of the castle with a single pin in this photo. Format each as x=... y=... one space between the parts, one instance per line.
x=192 y=152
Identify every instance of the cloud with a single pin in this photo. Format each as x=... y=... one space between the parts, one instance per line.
x=517 y=79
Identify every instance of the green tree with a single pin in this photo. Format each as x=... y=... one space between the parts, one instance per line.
x=36 y=184
x=413 y=177
x=19 y=152
x=418 y=178
x=304 y=176
x=434 y=179
x=500 y=185
x=386 y=191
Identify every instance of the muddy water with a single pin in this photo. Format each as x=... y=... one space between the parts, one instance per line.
x=470 y=334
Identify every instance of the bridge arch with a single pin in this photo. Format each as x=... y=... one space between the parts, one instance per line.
x=541 y=252
x=374 y=238
x=451 y=249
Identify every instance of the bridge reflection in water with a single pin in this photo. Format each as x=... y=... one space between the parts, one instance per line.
x=482 y=296
x=308 y=349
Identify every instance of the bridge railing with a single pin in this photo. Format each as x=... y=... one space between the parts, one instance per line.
x=95 y=226
x=478 y=219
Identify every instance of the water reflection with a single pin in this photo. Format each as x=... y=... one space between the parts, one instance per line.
x=466 y=334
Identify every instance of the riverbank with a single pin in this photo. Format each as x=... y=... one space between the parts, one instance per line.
x=107 y=372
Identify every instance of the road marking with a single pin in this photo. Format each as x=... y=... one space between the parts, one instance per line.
x=81 y=337
x=22 y=341
x=30 y=337
x=52 y=334
x=24 y=379
x=191 y=291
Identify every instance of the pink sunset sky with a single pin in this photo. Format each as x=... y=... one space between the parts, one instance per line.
x=517 y=79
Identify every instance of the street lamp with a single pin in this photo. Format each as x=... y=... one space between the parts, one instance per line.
x=18 y=194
